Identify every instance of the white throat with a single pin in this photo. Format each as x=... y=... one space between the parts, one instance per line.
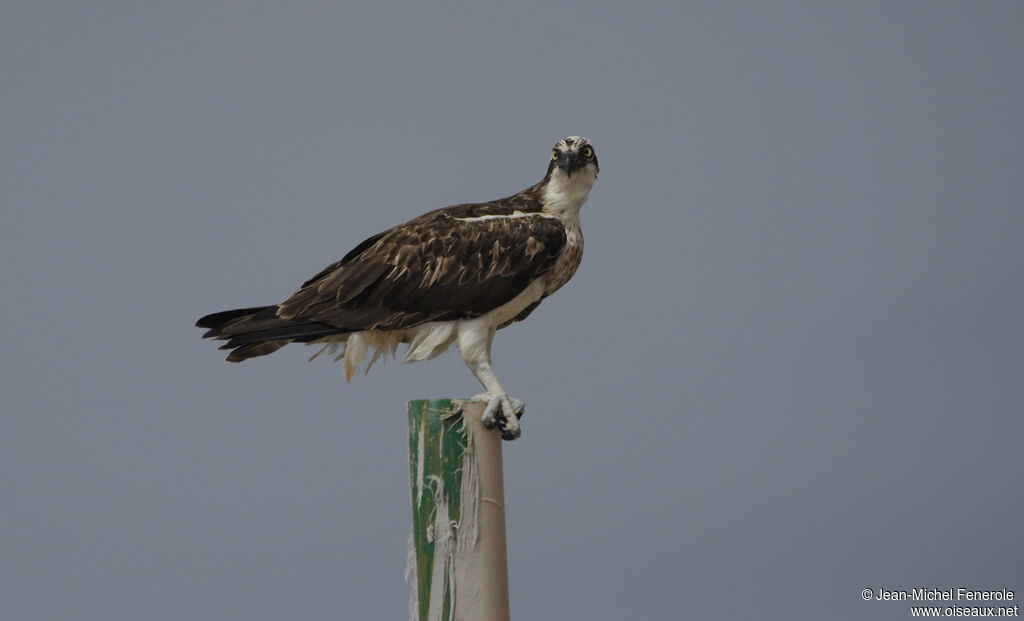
x=564 y=195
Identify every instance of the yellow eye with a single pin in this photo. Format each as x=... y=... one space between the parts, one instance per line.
x=588 y=152
x=554 y=154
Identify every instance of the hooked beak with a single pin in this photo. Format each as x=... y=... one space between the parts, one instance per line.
x=570 y=161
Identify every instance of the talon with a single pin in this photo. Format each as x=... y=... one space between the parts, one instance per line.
x=509 y=436
x=499 y=413
x=510 y=432
x=518 y=408
x=510 y=429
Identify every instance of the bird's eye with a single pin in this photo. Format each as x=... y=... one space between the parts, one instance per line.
x=554 y=154
x=588 y=152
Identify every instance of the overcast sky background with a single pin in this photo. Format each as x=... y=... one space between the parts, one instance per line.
x=791 y=366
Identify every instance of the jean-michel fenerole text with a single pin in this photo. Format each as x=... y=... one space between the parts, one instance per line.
x=959 y=594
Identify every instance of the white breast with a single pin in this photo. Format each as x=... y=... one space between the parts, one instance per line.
x=563 y=198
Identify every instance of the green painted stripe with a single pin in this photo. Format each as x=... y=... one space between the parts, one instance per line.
x=444 y=442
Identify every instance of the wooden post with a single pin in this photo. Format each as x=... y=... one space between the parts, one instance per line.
x=457 y=555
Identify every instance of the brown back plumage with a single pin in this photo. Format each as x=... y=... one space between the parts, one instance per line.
x=452 y=263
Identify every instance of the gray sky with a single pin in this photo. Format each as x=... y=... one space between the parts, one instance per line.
x=789 y=368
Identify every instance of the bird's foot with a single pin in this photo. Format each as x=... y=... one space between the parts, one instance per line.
x=503 y=412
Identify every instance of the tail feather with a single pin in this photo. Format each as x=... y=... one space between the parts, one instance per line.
x=258 y=331
x=215 y=321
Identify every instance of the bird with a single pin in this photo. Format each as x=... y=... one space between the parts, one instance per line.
x=454 y=275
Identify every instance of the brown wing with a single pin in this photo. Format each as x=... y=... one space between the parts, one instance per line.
x=453 y=263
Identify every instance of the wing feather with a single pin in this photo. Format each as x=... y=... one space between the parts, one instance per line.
x=447 y=264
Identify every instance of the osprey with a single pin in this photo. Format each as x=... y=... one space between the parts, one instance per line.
x=453 y=275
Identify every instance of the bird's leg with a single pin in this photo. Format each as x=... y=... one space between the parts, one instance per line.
x=503 y=411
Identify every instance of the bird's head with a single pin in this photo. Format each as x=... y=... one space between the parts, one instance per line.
x=571 y=173
x=571 y=155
